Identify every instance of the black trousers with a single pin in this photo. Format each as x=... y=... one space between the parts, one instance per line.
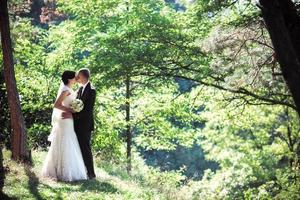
x=84 y=140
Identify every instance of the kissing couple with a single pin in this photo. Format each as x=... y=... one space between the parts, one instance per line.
x=70 y=157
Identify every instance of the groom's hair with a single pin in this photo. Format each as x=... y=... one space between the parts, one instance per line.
x=85 y=72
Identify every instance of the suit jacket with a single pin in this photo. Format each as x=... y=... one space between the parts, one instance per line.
x=84 y=120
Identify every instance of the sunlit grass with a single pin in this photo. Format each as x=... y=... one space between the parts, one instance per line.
x=23 y=182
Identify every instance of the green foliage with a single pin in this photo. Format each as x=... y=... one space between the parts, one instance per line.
x=133 y=39
x=163 y=124
x=107 y=139
x=165 y=182
x=249 y=147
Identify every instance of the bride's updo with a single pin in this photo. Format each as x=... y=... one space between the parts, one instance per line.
x=67 y=75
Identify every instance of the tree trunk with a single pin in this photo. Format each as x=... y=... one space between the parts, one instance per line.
x=19 y=140
x=283 y=25
x=5 y=133
x=292 y=22
x=2 y=175
x=2 y=129
x=128 y=126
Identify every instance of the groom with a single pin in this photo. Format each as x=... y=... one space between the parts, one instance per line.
x=84 y=120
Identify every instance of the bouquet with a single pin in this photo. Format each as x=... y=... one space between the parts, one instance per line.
x=77 y=105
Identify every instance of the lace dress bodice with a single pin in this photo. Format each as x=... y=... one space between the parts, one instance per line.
x=66 y=102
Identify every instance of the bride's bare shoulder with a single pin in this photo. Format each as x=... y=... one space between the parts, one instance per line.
x=65 y=93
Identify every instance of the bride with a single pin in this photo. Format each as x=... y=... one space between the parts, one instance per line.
x=64 y=159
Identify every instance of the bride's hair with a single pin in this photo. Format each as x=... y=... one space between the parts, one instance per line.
x=67 y=75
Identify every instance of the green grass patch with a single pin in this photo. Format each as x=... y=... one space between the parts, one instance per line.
x=112 y=182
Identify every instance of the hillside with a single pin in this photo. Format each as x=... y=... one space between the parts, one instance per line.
x=23 y=182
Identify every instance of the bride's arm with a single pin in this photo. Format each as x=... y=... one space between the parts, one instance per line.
x=59 y=100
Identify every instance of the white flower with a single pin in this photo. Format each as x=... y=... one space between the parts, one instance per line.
x=76 y=105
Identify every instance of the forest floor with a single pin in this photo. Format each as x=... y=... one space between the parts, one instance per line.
x=23 y=182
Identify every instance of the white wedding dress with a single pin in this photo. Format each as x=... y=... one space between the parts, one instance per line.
x=64 y=159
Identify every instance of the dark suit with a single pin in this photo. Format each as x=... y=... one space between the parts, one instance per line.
x=84 y=125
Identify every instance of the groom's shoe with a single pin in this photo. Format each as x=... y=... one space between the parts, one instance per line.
x=91 y=176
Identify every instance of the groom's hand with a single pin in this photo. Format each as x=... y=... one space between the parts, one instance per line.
x=66 y=115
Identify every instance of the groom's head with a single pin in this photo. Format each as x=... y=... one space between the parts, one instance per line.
x=83 y=75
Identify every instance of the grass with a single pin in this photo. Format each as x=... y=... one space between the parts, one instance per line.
x=24 y=182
